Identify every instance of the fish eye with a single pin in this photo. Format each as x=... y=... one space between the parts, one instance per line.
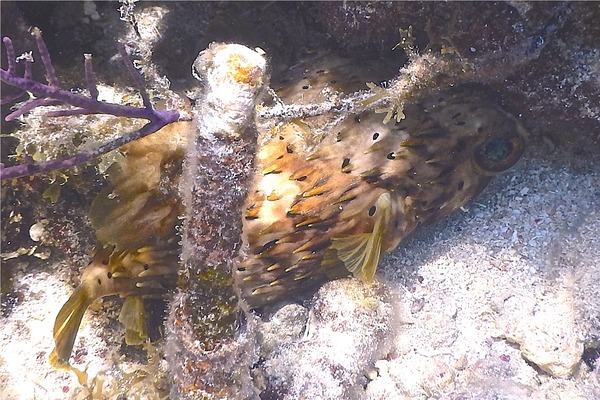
x=497 y=149
x=498 y=154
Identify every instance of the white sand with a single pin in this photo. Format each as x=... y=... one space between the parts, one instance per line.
x=467 y=298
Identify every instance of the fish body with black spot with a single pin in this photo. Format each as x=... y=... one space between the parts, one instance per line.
x=132 y=274
x=321 y=209
x=137 y=255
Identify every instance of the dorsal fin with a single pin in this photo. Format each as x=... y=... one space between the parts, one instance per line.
x=360 y=252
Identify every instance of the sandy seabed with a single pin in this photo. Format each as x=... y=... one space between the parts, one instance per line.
x=499 y=300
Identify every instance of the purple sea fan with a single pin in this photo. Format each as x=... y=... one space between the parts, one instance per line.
x=51 y=94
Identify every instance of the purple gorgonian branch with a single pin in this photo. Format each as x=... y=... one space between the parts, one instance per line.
x=51 y=94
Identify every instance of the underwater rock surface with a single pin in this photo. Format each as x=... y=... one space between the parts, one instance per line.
x=348 y=326
x=553 y=91
x=459 y=304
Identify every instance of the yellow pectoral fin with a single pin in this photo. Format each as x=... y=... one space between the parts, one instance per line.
x=67 y=324
x=360 y=253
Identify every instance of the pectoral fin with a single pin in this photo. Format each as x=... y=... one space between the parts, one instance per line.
x=360 y=253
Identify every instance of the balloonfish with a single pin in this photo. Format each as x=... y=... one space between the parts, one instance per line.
x=320 y=209
x=135 y=220
x=132 y=274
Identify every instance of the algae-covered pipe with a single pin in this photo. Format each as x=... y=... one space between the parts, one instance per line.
x=206 y=349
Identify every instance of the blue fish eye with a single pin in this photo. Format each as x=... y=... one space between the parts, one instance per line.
x=498 y=149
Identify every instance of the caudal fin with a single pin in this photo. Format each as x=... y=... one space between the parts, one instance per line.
x=67 y=324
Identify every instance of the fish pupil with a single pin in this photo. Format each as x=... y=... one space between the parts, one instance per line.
x=372 y=211
x=498 y=149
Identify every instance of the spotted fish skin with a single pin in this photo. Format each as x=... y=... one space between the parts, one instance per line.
x=319 y=211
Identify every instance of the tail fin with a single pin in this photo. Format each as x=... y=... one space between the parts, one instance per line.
x=67 y=324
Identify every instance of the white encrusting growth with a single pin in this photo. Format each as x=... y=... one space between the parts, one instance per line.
x=233 y=76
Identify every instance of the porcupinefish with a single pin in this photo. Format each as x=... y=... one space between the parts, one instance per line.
x=135 y=220
x=326 y=209
x=131 y=274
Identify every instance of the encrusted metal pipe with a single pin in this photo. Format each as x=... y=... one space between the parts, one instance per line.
x=207 y=350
